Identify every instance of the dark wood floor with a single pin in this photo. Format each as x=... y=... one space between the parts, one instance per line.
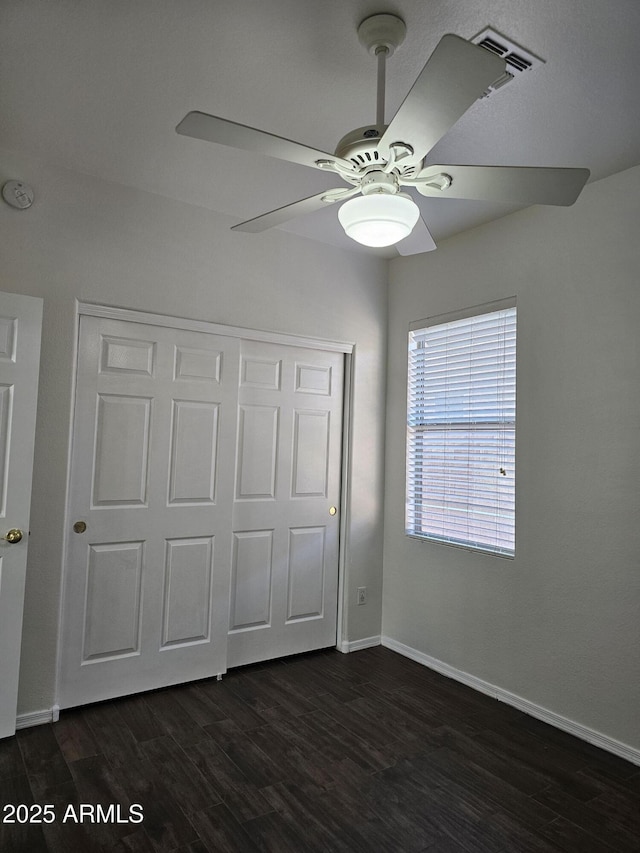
x=325 y=752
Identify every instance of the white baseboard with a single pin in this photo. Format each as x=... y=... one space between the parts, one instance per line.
x=37 y=718
x=347 y=646
x=605 y=742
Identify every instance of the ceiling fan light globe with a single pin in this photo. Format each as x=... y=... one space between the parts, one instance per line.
x=379 y=219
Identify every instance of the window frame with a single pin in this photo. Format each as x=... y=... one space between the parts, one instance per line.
x=448 y=426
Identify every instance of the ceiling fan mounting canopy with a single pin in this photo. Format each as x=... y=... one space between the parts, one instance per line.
x=382 y=32
x=376 y=160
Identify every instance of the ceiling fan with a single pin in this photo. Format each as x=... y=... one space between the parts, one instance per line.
x=379 y=160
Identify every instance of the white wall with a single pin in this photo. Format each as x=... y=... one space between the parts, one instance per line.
x=100 y=242
x=560 y=624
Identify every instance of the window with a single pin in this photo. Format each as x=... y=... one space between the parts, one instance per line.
x=461 y=417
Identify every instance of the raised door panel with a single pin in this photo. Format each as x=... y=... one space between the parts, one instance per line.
x=8 y=338
x=261 y=373
x=203 y=365
x=121 y=458
x=251 y=579
x=187 y=591
x=6 y=399
x=306 y=570
x=257 y=452
x=194 y=446
x=311 y=444
x=112 y=604
x=126 y=355
x=313 y=379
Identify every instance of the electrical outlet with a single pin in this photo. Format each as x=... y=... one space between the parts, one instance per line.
x=362 y=595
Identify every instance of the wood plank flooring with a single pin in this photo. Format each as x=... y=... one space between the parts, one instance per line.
x=360 y=753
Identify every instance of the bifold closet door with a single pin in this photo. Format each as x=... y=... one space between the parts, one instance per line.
x=149 y=544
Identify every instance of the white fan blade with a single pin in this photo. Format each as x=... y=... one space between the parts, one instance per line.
x=289 y=211
x=511 y=184
x=223 y=132
x=456 y=74
x=419 y=241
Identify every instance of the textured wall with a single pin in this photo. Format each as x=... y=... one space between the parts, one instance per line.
x=558 y=625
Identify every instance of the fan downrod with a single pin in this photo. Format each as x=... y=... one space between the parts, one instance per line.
x=381 y=35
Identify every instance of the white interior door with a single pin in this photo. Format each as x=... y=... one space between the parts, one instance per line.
x=284 y=587
x=20 y=328
x=203 y=522
x=148 y=550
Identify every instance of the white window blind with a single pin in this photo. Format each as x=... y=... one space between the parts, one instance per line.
x=461 y=419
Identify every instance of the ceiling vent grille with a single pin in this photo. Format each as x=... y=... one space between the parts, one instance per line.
x=517 y=58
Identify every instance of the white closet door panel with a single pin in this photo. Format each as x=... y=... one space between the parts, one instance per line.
x=284 y=598
x=146 y=599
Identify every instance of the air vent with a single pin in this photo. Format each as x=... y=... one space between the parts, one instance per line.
x=517 y=58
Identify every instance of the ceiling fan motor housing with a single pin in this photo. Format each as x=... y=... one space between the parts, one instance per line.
x=360 y=146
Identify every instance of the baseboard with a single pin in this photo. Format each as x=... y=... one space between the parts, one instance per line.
x=38 y=718
x=347 y=646
x=596 y=738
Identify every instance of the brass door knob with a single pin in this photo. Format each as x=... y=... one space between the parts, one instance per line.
x=13 y=536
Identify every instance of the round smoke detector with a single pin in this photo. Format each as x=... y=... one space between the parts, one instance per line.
x=17 y=194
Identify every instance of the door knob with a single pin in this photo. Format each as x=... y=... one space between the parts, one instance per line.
x=13 y=536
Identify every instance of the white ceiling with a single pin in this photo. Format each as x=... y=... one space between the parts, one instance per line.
x=98 y=86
